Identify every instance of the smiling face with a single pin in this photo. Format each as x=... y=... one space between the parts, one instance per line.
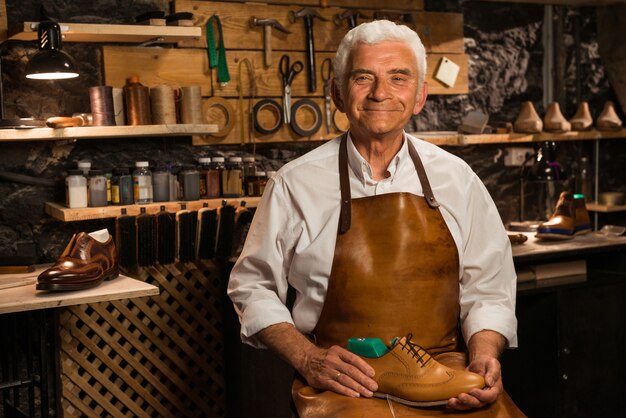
x=381 y=91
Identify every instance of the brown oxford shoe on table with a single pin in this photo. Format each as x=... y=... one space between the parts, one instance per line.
x=561 y=224
x=84 y=263
x=409 y=375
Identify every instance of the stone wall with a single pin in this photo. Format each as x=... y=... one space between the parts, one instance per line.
x=502 y=40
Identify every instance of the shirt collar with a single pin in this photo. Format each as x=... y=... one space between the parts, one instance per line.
x=362 y=169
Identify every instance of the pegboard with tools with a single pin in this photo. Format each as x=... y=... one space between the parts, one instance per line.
x=259 y=34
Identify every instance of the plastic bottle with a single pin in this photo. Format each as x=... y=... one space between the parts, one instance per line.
x=97 y=189
x=75 y=189
x=214 y=178
x=232 y=178
x=189 y=178
x=161 y=184
x=142 y=182
x=205 y=166
x=584 y=179
x=127 y=192
x=249 y=174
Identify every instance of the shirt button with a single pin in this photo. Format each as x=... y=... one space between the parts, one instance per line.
x=387 y=174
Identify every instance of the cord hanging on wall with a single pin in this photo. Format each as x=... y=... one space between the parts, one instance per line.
x=50 y=63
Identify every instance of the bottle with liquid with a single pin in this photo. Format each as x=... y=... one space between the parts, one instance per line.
x=205 y=165
x=126 y=189
x=161 y=184
x=232 y=178
x=75 y=189
x=142 y=183
x=189 y=178
x=97 y=189
x=584 y=179
x=249 y=173
x=214 y=178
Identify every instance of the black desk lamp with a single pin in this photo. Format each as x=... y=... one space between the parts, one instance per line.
x=50 y=63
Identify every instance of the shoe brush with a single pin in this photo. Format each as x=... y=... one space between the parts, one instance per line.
x=146 y=239
x=166 y=236
x=126 y=232
x=243 y=219
x=207 y=232
x=225 y=228
x=186 y=222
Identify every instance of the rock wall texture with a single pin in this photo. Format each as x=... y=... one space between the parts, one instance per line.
x=502 y=40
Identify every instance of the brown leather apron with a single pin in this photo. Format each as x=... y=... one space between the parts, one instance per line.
x=394 y=272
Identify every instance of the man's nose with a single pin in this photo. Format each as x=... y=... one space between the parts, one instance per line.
x=380 y=90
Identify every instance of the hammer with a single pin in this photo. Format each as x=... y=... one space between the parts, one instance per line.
x=350 y=15
x=308 y=14
x=267 y=35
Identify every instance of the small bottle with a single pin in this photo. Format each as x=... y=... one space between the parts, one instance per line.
x=174 y=184
x=97 y=189
x=260 y=183
x=161 y=184
x=249 y=173
x=75 y=189
x=189 y=178
x=108 y=175
x=127 y=191
x=214 y=178
x=142 y=182
x=232 y=178
x=584 y=179
x=115 y=187
x=205 y=164
x=84 y=166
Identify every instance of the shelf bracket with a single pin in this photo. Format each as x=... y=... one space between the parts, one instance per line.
x=153 y=41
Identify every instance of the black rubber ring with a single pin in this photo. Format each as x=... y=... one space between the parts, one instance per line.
x=318 y=117
x=262 y=104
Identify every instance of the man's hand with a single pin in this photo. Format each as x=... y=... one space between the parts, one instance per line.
x=484 y=349
x=339 y=370
x=335 y=369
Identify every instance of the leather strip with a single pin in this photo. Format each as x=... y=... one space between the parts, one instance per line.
x=310 y=104
x=345 y=216
x=228 y=109
x=261 y=105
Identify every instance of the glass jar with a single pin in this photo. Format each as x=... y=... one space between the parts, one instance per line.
x=127 y=193
x=205 y=164
x=109 y=175
x=97 y=189
x=232 y=178
x=161 y=184
x=214 y=178
x=142 y=182
x=189 y=178
x=75 y=189
x=260 y=183
x=249 y=172
x=174 y=186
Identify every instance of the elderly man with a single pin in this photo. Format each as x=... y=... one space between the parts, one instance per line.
x=381 y=235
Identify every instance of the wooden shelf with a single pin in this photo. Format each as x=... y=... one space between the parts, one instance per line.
x=61 y=212
x=91 y=32
x=597 y=207
x=453 y=138
x=83 y=132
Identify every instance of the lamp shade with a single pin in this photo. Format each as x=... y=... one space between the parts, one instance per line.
x=50 y=63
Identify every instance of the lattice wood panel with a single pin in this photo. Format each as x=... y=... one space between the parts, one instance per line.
x=148 y=357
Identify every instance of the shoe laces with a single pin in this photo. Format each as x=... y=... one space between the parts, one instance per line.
x=420 y=355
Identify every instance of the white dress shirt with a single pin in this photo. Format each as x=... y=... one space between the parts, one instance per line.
x=293 y=234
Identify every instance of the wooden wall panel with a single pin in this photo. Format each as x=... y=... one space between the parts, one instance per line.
x=184 y=67
x=368 y=4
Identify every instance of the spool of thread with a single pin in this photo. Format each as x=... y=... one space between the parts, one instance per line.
x=191 y=104
x=102 y=110
x=118 y=106
x=137 y=102
x=163 y=105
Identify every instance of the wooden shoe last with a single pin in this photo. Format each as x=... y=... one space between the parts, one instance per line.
x=608 y=119
x=554 y=121
x=582 y=120
x=528 y=121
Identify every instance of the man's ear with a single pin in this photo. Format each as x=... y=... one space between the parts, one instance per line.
x=421 y=99
x=336 y=95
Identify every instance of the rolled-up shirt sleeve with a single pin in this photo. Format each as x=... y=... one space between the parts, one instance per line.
x=258 y=281
x=488 y=281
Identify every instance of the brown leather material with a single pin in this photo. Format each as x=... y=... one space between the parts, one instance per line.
x=582 y=221
x=560 y=226
x=409 y=375
x=608 y=119
x=582 y=119
x=528 y=120
x=84 y=263
x=554 y=121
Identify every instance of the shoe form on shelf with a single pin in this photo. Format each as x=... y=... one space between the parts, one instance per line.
x=560 y=226
x=608 y=119
x=582 y=120
x=409 y=375
x=582 y=221
x=554 y=121
x=528 y=121
x=84 y=263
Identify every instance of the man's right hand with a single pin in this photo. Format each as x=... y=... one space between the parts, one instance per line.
x=335 y=368
x=339 y=370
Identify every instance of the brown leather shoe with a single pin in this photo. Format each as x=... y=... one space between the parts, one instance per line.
x=528 y=121
x=608 y=119
x=560 y=226
x=408 y=374
x=582 y=120
x=84 y=263
x=554 y=121
x=582 y=221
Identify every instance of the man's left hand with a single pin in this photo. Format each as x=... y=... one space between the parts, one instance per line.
x=489 y=368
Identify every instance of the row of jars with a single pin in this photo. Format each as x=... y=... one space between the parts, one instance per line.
x=214 y=178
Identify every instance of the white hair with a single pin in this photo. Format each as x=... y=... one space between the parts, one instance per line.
x=373 y=33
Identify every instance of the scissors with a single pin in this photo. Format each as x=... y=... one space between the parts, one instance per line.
x=288 y=72
x=327 y=68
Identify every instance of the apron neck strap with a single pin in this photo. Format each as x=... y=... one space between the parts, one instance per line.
x=345 y=216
